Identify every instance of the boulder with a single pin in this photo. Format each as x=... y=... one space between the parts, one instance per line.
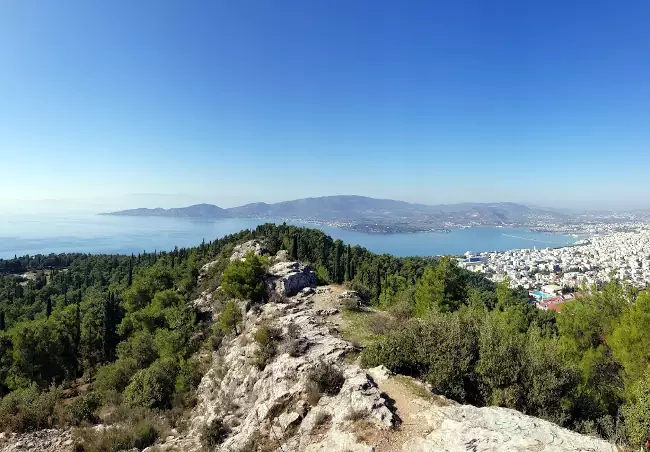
x=206 y=269
x=288 y=278
x=252 y=246
x=282 y=256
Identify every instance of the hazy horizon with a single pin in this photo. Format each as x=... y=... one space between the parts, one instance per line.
x=543 y=104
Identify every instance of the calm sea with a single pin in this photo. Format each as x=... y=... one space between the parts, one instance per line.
x=21 y=235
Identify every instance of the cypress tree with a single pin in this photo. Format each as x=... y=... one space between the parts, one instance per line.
x=129 y=280
x=2 y=320
x=337 y=261
x=348 y=262
x=378 y=282
x=324 y=258
x=294 y=247
x=48 y=307
x=77 y=324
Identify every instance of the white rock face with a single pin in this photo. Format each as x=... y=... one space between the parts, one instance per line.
x=206 y=268
x=467 y=428
x=289 y=278
x=282 y=256
x=273 y=403
x=252 y=246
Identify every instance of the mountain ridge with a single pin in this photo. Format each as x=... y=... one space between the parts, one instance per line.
x=366 y=214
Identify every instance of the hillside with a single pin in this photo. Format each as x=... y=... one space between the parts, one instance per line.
x=288 y=377
x=369 y=214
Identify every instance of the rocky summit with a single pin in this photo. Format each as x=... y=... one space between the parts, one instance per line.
x=273 y=402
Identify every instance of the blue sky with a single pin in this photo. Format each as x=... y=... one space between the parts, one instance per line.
x=544 y=102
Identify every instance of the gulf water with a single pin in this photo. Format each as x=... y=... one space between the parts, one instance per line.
x=31 y=234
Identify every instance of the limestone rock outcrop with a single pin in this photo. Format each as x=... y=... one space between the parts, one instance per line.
x=255 y=246
x=289 y=278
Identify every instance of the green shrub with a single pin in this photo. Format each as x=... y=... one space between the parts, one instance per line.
x=115 y=376
x=83 y=409
x=352 y=304
x=27 y=409
x=216 y=337
x=229 y=318
x=117 y=438
x=244 y=280
x=141 y=347
x=328 y=378
x=443 y=350
x=153 y=387
x=267 y=338
x=170 y=343
x=637 y=412
x=214 y=434
x=189 y=375
x=322 y=275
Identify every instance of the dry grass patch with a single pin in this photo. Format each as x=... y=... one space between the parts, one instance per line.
x=419 y=390
x=366 y=431
x=357 y=328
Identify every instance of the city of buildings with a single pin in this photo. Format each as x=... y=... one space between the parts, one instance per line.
x=555 y=275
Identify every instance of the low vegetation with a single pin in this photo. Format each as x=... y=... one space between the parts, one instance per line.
x=124 y=437
x=267 y=339
x=328 y=378
x=214 y=434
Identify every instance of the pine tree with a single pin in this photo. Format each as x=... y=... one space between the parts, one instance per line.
x=109 y=341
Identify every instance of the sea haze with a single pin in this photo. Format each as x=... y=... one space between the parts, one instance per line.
x=21 y=235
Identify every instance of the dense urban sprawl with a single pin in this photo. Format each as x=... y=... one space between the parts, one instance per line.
x=551 y=274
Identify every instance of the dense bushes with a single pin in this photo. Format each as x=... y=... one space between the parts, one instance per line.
x=589 y=372
x=28 y=409
x=480 y=357
x=154 y=386
x=443 y=350
x=83 y=409
x=229 y=319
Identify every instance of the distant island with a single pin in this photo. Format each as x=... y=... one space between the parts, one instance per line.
x=371 y=215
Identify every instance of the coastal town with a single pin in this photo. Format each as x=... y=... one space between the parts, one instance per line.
x=554 y=276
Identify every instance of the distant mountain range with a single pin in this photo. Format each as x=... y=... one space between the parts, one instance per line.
x=368 y=214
